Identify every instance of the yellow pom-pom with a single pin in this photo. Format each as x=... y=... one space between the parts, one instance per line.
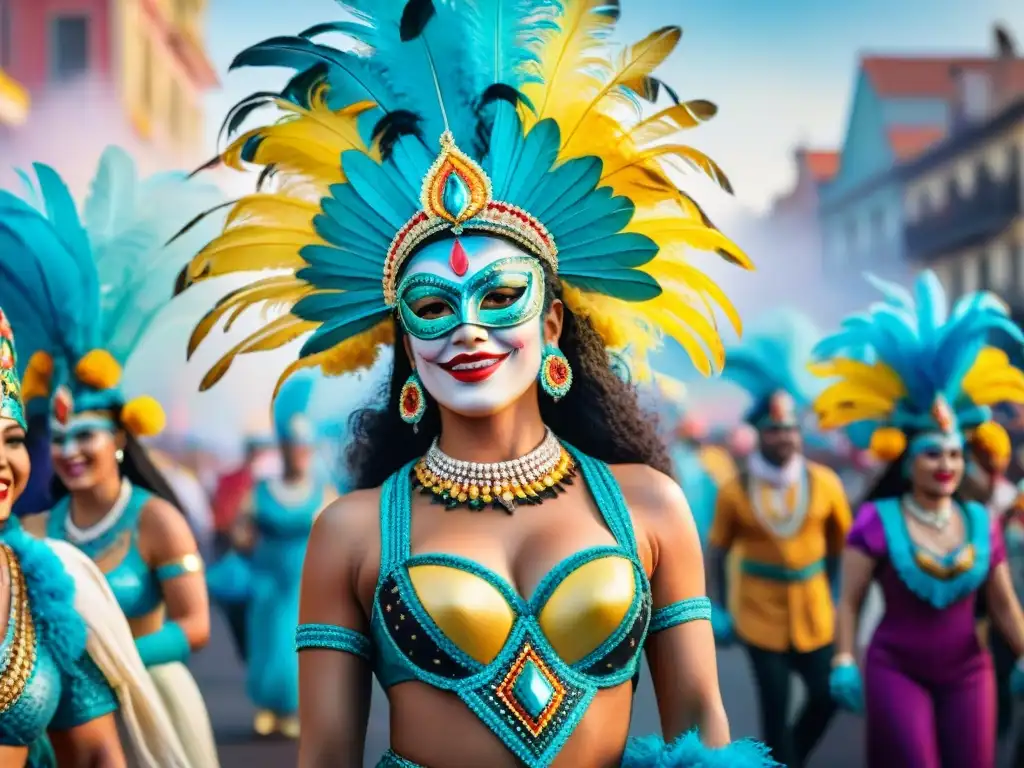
x=888 y=443
x=38 y=377
x=991 y=440
x=98 y=369
x=143 y=417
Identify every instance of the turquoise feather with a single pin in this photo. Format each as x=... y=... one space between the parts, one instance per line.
x=378 y=186
x=292 y=401
x=929 y=347
x=498 y=37
x=97 y=281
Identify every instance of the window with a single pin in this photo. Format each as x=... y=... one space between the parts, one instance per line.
x=5 y=33
x=976 y=92
x=69 y=47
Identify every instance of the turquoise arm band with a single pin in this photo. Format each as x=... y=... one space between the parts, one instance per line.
x=682 y=612
x=164 y=646
x=191 y=563
x=331 y=638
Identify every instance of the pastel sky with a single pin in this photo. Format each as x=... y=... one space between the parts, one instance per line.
x=781 y=72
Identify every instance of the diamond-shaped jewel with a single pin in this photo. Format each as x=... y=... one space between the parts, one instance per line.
x=532 y=690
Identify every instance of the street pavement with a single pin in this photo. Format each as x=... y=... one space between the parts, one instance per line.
x=221 y=678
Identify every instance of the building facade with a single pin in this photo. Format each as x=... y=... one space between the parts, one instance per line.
x=141 y=60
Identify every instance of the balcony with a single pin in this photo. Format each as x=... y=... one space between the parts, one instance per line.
x=967 y=220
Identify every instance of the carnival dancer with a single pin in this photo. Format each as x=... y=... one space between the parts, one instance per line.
x=85 y=292
x=274 y=529
x=69 y=662
x=785 y=518
x=928 y=686
x=501 y=268
x=987 y=457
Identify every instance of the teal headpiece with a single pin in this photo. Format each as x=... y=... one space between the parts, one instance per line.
x=911 y=366
x=770 y=364
x=291 y=420
x=10 y=386
x=82 y=288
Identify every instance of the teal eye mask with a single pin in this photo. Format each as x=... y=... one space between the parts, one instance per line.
x=466 y=301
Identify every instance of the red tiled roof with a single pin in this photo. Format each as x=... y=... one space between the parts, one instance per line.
x=822 y=165
x=909 y=141
x=924 y=76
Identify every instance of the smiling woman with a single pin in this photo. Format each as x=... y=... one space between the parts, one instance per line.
x=64 y=673
x=495 y=218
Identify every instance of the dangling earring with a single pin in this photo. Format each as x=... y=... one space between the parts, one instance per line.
x=555 y=373
x=119 y=456
x=412 y=402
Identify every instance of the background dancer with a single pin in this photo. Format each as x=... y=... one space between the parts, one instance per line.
x=785 y=518
x=928 y=685
x=93 y=291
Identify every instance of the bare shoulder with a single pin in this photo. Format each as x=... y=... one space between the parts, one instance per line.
x=164 y=531
x=656 y=502
x=349 y=520
x=35 y=525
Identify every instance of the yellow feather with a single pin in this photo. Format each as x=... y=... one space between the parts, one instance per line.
x=274 y=335
x=269 y=288
x=353 y=354
x=273 y=209
x=634 y=63
x=842 y=394
x=249 y=249
x=671 y=270
x=667 y=232
x=670 y=121
x=684 y=335
x=876 y=377
x=692 y=158
x=850 y=414
x=998 y=394
x=617 y=322
x=561 y=56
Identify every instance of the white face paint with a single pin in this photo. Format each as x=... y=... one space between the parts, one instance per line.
x=485 y=363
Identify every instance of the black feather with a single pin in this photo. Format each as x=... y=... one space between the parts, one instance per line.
x=485 y=119
x=300 y=88
x=265 y=175
x=238 y=113
x=415 y=17
x=649 y=88
x=181 y=281
x=208 y=165
x=196 y=219
x=393 y=126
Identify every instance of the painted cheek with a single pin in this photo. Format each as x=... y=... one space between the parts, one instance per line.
x=428 y=351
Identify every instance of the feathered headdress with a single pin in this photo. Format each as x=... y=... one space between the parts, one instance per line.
x=770 y=364
x=541 y=141
x=82 y=290
x=909 y=365
x=11 y=406
x=290 y=420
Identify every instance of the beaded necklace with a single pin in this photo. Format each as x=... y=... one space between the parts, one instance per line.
x=541 y=474
x=19 y=657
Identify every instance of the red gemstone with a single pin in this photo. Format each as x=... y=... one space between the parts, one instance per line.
x=412 y=401
x=458 y=260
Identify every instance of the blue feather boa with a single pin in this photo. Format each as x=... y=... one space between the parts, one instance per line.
x=687 y=751
x=51 y=595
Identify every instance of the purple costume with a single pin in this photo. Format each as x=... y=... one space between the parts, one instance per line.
x=929 y=686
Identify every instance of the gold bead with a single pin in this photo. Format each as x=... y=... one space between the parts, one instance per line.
x=508 y=496
x=557 y=476
x=537 y=486
x=436 y=489
x=548 y=481
x=462 y=497
x=474 y=492
x=485 y=491
x=447 y=484
x=520 y=494
x=487 y=498
x=530 y=490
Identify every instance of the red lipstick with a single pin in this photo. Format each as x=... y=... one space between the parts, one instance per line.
x=943 y=476
x=473 y=368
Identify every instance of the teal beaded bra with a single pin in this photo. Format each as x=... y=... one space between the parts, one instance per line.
x=528 y=668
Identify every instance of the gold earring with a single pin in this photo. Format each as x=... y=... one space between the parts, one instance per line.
x=119 y=455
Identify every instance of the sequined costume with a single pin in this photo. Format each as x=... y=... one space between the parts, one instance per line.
x=542 y=155
x=98 y=280
x=49 y=680
x=913 y=374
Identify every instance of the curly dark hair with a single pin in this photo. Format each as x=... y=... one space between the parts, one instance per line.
x=600 y=415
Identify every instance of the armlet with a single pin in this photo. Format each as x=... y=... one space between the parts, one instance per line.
x=172 y=569
x=332 y=638
x=681 y=612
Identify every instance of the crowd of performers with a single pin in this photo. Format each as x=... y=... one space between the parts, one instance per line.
x=522 y=273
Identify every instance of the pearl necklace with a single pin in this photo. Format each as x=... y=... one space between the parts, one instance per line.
x=937 y=520
x=540 y=474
